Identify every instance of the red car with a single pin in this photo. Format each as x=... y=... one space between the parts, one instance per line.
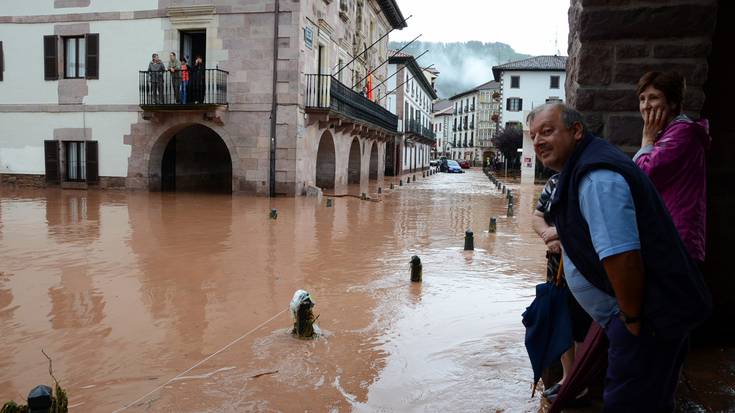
x=464 y=164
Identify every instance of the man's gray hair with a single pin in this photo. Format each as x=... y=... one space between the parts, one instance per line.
x=569 y=115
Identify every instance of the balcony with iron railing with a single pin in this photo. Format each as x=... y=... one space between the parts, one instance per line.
x=324 y=93
x=167 y=91
x=415 y=128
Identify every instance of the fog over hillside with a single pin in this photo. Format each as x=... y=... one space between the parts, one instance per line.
x=462 y=65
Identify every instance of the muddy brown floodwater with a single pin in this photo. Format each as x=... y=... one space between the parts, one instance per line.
x=128 y=291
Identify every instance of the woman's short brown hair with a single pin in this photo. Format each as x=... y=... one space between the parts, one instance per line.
x=672 y=84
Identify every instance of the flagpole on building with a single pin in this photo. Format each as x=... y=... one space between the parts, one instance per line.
x=384 y=61
x=366 y=49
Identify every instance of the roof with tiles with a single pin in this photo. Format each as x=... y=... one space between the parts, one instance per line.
x=536 y=63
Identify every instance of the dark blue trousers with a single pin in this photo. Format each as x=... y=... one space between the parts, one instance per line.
x=643 y=371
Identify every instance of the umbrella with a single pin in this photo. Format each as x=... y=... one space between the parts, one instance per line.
x=548 y=326
x=590 y=362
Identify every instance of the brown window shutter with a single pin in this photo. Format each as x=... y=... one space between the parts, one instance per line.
x=92 y=41
x=507 y=104
x=520 y=104
x=51 y=155
x=92 y=161
x=2 y=61
x=51 y=57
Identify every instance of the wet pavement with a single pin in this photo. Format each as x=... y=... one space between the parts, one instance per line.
x=178 y=302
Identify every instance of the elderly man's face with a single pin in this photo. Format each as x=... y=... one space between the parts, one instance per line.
x=553 y=143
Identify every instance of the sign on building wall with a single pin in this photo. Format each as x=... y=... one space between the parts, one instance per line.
x=309 y=37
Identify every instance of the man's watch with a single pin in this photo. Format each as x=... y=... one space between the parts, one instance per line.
x=628 y=319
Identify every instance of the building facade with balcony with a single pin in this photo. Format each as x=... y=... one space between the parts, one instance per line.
x=527 y=83
x=441 y=118
x=472 y=124
x=82 y=106
x=411 y=99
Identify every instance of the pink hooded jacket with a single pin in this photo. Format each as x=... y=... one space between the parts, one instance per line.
x=676 y=165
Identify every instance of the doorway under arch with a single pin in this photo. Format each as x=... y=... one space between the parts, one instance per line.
x=196 y=159
x=353 y=166
x=374 y=161
x=325 y=162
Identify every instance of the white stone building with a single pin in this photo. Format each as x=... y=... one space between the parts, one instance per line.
x=442 y=114
x=472 y=126
x=80 y=110
x=527 y=83
x=411 y=100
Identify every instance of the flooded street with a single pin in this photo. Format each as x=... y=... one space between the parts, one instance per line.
x=128 y=291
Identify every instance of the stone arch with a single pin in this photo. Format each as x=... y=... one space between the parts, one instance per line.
x=354 y=163
x=374 y=161
x=325 y=162
x=211 y=171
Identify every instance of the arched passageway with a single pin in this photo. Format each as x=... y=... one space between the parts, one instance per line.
x=325 y=162
x=374 y=161
x=353 y=167
x=196 y=159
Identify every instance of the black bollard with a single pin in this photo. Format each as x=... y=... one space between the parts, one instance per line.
x=414 y=178
x=416 y=269
x=503 y=188
x=392 y=186
x=329 y=202
x=40 y=399
x=493 y=224
x=510 y=194
x=400 y=182
x=510 y=209
x=423 y=174
x=274 y=213
x=380 y=190
x=469 y=240
x=363 y=196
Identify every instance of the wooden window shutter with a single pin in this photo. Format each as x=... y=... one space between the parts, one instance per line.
x=507 y=104
x=2 y=61
x=92 y=161
x=51 y=156
x=51 y=57
x=520 y=104
x=92 y=41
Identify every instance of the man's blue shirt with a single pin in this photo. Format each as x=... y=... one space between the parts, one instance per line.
x=607 y=206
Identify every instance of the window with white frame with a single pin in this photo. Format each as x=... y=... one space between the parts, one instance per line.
x=74 y=56
x=514 y=104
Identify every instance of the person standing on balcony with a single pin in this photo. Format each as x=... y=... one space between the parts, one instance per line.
x=184 y=81
x=197 y=80
x=155 y=73
x=175 y=68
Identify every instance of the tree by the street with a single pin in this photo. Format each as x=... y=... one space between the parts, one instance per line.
x=508 y=141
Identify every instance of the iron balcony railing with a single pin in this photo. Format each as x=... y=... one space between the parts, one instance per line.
x=326 y=92
x=168 y=89
x=416 y=128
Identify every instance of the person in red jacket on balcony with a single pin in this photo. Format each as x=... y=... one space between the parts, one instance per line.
x=184 y=80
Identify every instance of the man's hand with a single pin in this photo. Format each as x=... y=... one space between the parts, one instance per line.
x=554 y=246
x=549 y=234
x=628 y=280
x=654 y=120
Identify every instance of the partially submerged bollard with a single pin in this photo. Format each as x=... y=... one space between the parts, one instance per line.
x=274 y=213
x=493 y=224
x=416 y=269
x=329 y=202
x=400 y=182
x=380 y=190
x=423 y=174
x=510 y=209
x=469 y=240
x=392 y=186
x=302 y=306
x=414 y=178
x=363 y=196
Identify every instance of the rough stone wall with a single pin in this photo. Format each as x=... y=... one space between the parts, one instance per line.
x=612 y=43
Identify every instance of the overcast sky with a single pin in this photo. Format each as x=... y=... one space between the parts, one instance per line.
x=529 y=26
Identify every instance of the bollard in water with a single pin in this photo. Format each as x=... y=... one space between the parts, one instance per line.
x=408 y=179
x=363 y=196
x=274 y=213
x=493 y=224
x=503 y=188
x=469 y=240
x=380 y=190
x=329 y=202
x=414 y=178
x=510 y=194
x=392 y=186
x=510 y=209
x=400 y=182
x=423 y=174
x=416 y=269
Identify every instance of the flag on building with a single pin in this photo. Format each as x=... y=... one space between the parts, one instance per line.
x=370 y=86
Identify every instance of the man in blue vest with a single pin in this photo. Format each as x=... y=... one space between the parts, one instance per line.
x=623 y=259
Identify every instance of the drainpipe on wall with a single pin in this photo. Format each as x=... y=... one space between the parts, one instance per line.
x=274 y=105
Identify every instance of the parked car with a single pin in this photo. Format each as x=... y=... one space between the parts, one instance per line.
x=434 y=162
x=453 y=167
x=464 y=164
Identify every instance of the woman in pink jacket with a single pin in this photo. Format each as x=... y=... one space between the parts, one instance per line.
x=672 y=154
